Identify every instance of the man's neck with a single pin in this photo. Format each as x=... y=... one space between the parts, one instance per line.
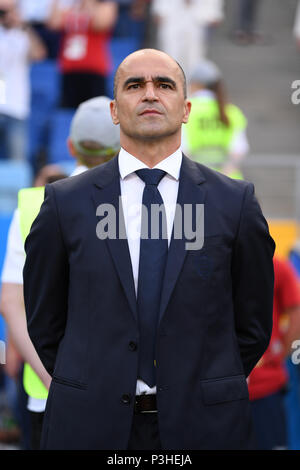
x=151 y=153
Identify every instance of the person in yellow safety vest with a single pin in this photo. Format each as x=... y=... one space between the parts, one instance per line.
x=215 y=134
x=13 y=311
x=93 y=140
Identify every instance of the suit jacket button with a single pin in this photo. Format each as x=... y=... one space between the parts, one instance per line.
x=126 y=399
x=132 y=346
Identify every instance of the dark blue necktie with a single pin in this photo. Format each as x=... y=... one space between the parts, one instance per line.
x=153 y=257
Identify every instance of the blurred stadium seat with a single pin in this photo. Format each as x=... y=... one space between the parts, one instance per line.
x=13 y=176
x=292 y=406
x=45 y=80
x=4 y=226
x=45 y=84
x=59 y=128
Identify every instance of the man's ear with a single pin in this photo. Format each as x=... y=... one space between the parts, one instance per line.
x=114 y=112
x=187 y=110
x=71 y=147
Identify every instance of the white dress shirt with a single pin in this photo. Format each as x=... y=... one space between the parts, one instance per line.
x=132 y=188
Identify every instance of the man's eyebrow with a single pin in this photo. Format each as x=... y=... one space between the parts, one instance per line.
x=133 y=80
x=160 y=79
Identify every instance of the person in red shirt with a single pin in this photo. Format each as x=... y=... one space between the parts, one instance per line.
x=268 y=380
x=84 y=56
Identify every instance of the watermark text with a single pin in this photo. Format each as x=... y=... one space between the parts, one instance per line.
x=188 y=223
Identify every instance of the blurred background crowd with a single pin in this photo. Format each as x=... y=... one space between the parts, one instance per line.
x=242 y=63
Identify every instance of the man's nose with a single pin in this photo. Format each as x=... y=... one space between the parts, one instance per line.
x=150 y=92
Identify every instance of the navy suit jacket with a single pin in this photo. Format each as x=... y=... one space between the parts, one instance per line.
x=215 y=316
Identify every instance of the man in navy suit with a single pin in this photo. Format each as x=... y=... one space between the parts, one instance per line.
x=149 y=339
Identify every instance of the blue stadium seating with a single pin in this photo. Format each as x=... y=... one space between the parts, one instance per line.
x=14 y=175
x=44 y=80
x=4 y=226
x=45 y=85
x=292 y=406
x=59 y=128
x=292 y=398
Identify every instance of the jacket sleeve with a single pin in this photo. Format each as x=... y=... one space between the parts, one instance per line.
x=45 y=277
x=253 y=282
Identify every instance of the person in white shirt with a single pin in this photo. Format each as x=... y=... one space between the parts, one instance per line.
x=19 y=46
x=93 y=140
x=183 y=28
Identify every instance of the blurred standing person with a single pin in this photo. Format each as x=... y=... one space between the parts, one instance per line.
x=216 y=132
x=182 y=28
x=19 y=45
x=246 y=31
x=297 y=25
x=93 y=140
x=11 y=305
x=268 y=380
x=132 y=20
x=84 y=57
x=36 y=13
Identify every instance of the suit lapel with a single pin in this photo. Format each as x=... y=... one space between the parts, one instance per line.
x=106 y=190
x=190 y=191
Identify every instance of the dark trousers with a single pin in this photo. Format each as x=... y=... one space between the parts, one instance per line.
x=36 y=429
x=77 y=87
x=247 y=15
x=144 y=432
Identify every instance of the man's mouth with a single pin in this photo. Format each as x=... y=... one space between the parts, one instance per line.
x=150 y=111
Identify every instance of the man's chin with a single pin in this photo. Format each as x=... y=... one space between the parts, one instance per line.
x=152 y=134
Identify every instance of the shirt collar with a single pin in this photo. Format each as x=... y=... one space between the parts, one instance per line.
x=129 y=164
